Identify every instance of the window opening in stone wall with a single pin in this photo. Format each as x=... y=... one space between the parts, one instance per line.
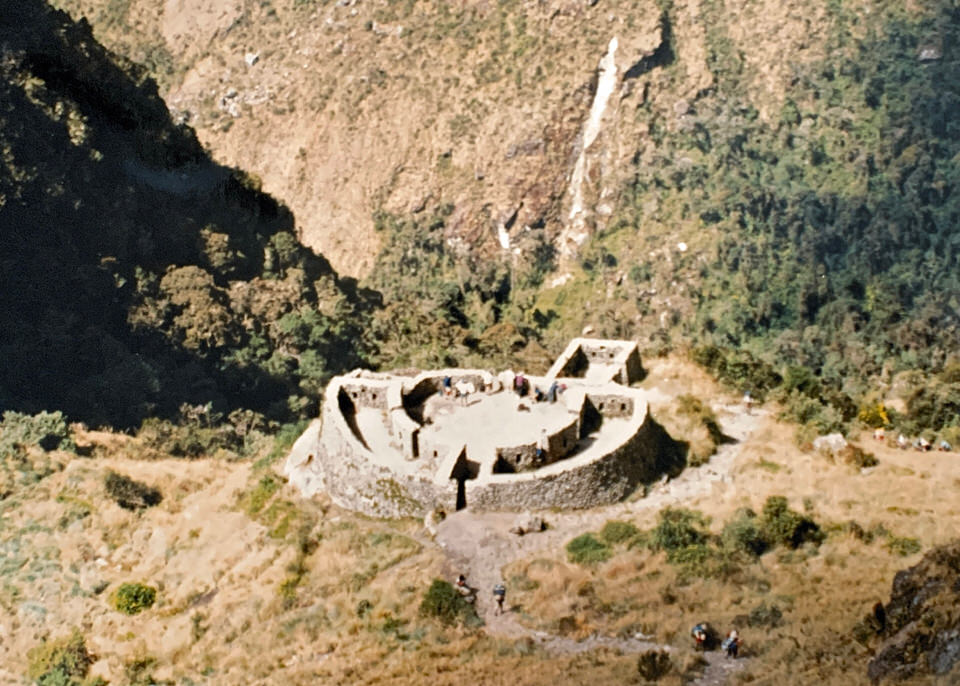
x=623 y=407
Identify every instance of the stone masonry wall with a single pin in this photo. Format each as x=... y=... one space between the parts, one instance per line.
x=621 y=358
x=523 y=457
x=611 y=404
x=608 y=479
x=356 y=482
x=367 y=392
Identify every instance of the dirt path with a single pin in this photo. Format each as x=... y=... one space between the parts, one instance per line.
x=480 y=546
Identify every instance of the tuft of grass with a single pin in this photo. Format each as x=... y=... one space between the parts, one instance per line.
x=587 y=550
x=615 y=532
x=256 y=498
x=772 y=467
x=653 y=665
x=903 y=547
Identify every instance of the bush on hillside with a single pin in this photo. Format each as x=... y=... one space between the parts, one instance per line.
x=744 y=533
x=654 y=665
x=614 y=532
x=132 y=599
x=130 y=494
x=783 y=526
x=46 y=430
x=677 y=530
x=443 y=602
x=62 y=662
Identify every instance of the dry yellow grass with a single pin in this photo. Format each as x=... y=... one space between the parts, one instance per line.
x=331 y=597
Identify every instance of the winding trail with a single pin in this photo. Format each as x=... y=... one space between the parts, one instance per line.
x=479 y=545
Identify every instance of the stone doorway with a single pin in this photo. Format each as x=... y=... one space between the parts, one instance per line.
x=463 y=469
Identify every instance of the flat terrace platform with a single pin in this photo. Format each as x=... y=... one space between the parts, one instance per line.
x=482 y=422
x=488 y=420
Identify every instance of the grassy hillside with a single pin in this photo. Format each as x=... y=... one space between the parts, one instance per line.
x=124 y=563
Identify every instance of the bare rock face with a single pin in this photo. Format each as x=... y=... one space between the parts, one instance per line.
x=922 y=620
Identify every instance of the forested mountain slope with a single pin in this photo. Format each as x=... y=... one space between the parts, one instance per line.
x=768 y=183
x=137 y=273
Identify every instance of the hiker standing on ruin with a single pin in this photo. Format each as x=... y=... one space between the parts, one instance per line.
x=499 y=594
x=553 y=392
x=543 y=444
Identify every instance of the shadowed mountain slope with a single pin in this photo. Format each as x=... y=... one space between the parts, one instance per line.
x=137 y=273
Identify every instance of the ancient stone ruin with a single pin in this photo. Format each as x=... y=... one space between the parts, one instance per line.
x=390 y=445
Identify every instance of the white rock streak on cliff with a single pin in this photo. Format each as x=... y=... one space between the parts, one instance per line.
x=606 y=83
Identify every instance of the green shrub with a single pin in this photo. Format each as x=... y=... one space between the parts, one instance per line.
x=443 y=602
x=134 y=598
x=47 y=430
x=587 y=550
x=130 y=494
x=783 y=526
x=614 y=532
x=654 y=664
x=62 y=662
x=698 y=560
x=139 y=671
x=764 y=615
x=903 y=546
x=744 y=533
x=677 y=529
x=857 y=457
x=738 y=368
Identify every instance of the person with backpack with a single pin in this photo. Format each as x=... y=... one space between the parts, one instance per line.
x=700 y=633
x=499 y=594
x=731 y=644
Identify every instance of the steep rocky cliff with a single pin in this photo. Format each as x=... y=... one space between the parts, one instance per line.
x=348 y=108
x=921 y=623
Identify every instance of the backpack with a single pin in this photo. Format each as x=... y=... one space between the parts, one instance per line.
x=499 y=590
